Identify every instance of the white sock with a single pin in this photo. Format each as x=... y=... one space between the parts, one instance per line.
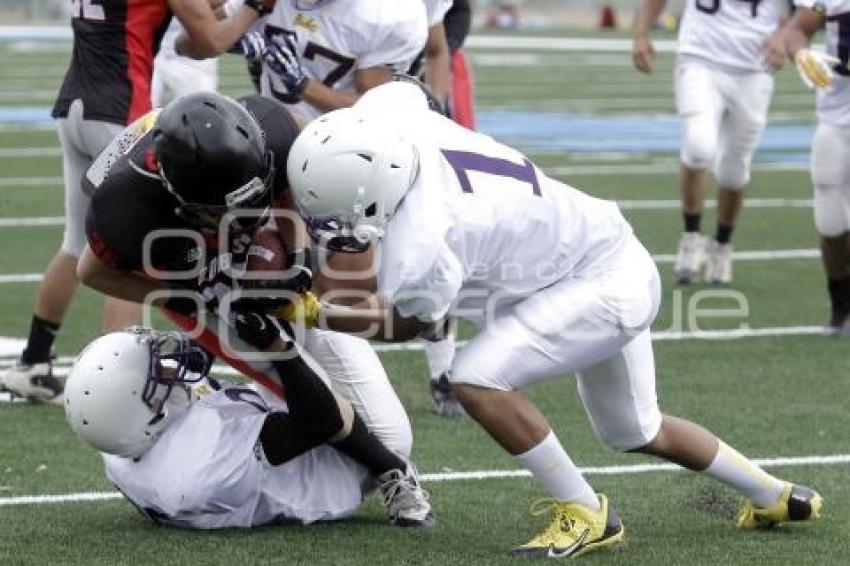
x=736 y=471
x=440 y=355
x=560 y=477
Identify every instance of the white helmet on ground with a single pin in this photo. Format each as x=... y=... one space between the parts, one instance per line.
x=118 y=393
x=349 y=172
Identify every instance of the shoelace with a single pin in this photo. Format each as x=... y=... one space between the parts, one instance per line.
x=545 y=505
x=401 y=490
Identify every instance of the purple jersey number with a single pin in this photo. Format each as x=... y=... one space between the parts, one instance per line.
x=464 y=161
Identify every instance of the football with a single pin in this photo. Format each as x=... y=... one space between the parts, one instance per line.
x=266 y=256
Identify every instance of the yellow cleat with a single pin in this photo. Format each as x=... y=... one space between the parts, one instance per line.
x=575 y=530
x=797 y=503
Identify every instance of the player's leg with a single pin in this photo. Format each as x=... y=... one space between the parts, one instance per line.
x=356 y=374
x=32 y=376
x=440 y=353
x=831 y=180
x=700 y=108
x=619 y=396
x=573 y=324
x=747 y=99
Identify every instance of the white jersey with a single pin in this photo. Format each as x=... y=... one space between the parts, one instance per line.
x=340 y=37
x=481 y=222
x=729 y=33
x=435 y=10
x=833 y=103
x=208 y=471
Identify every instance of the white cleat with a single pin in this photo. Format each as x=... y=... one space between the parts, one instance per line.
x=34 y=382
x=690 y=257
x=718 y=267
x=406 y=502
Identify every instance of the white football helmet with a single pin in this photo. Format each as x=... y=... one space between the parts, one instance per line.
x=118 y=393
x=349 y=172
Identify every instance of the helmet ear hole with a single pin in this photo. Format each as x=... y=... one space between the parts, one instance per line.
x=371 y=210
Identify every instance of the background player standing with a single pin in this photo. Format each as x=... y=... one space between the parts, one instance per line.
x=727 y=53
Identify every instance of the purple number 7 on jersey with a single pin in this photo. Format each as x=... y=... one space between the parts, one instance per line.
x=464 y=161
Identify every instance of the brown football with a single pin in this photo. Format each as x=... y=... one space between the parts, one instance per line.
x=266 y=256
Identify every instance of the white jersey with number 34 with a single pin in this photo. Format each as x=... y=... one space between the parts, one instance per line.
x=481 y=218
x=729 y=33
x=339 y=37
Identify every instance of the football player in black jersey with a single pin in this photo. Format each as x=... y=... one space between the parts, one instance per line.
x=106 y=87
x=169 y=199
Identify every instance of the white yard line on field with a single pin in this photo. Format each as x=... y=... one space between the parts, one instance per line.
x=827 y=460
x=16 y=152
x=636 y=204
x=30 y=181
x=62 y=363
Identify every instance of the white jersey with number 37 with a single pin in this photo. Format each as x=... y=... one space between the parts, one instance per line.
x=339 y=37
x=729 y=33
x=480 y=218
x=834 y=102
x=207 y=472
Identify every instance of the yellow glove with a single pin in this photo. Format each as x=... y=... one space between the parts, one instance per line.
x=815 y=67
x=304 y=310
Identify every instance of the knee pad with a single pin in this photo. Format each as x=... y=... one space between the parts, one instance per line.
x=699 y=141
x=832 y=211
x=733 y=172
x=628 y=440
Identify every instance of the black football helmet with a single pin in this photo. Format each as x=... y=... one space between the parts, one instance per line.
x=213 y=159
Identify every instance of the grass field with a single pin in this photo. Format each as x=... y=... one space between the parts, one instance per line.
x=781 y=396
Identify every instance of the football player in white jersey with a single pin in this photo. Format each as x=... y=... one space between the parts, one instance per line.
x=830 y=161
x=327 y=52
x=727 y=53
x=189 y=452
x=555 y=279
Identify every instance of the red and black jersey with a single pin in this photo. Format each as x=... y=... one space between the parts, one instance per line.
x=130 y=206
x=115 y=42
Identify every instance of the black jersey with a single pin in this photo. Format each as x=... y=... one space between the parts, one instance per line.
x=115 y=42
x=130 y=204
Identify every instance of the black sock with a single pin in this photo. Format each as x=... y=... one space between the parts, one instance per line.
x=724 y=233
x=42 y=334
x=839 y=294
x=692 y=221
x=365 y=447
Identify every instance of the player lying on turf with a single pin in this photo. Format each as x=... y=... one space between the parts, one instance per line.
x=190 y=452
x=555 y=279
x=161 y=194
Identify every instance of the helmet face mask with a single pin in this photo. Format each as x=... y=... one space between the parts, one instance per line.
x=255 y=194
x=212 y=159
x=120 y=395
x=349 y=174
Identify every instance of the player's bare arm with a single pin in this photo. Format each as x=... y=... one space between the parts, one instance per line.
x=438 y=72
x=205 y=35
x=643 y=52
x=328 y=99
x=371 y=316
x=799 y=30
x=814 y=67
x=95 y=273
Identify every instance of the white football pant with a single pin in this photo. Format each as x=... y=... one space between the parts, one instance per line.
x=82 y=141
x=596 y=325
x=830 y=166
x=723 y=116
